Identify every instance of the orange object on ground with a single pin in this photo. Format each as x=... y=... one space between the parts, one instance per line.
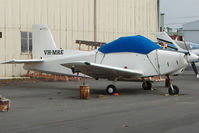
x=116 y=94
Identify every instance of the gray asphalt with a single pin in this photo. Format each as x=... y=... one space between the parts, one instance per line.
x=51 y=107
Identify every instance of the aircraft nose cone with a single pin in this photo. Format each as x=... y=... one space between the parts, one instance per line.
x=192 y=58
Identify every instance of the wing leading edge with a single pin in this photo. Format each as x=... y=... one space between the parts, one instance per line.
x=102 y=71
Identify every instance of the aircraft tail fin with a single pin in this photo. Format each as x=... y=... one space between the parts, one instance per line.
x=43 y=41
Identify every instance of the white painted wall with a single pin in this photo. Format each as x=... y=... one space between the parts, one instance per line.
x=71 y=20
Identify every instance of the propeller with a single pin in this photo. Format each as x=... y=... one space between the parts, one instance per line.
x=194 y=68
x=193 y=65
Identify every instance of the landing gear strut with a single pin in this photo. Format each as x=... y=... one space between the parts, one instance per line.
x=111 y=89
x=173 y=89
x=146 y=85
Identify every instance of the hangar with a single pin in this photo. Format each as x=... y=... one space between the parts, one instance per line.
x=71 y=20
x=191 y=31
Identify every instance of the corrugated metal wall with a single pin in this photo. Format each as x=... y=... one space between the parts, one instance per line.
x=191 y=31
x=71 y=20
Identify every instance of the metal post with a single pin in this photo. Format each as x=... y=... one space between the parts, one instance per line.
x=158 y=13
x=161 y=22
x=95 y=20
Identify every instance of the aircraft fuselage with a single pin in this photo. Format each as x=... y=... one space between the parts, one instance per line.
x=157 y=62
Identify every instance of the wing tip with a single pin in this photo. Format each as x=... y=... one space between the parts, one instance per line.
x=7 y=62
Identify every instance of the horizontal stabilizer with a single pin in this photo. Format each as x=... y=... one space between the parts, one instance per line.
x=14 y=61
x=102 y=71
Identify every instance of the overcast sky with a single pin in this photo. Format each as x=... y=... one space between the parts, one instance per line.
x=179 y=12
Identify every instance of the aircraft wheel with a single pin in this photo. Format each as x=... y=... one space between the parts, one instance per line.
x=147 y=85
x=111 y=89
x=174 y=91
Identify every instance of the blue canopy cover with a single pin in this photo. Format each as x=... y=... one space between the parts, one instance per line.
x=135 y=44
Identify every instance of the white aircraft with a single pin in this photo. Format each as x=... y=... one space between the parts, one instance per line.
x=180 y=45
x=123 y=59
x=192 y=47
x=163 y=36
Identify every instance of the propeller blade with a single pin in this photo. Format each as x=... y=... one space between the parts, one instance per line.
x=192 y=63
x=186 y=47
x=194 y=68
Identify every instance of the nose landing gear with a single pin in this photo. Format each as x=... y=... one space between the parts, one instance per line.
x=173 y=89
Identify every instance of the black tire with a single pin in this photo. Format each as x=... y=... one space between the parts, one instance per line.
x=175 y=90
x=111 y=89
x=147 y=85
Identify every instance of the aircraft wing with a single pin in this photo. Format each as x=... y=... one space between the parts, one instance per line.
x=102 y=71
x=14 y=61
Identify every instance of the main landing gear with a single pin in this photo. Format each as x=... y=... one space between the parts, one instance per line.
x=173 y=89
x=111 y=89
x=147 y=85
